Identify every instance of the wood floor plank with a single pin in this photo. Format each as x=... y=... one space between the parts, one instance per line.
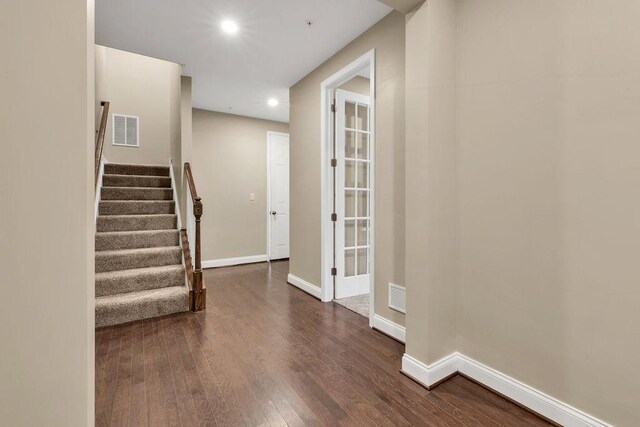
x=122 y=396
x=166 y=379
x=203 y=411
x=153 y=391
x=186 y=406
x=138 y=406
x=214 y=377
x=265 y=353
x=106 y=376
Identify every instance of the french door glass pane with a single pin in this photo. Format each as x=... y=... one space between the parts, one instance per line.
x=349 y=233
x=356 y=176
x=362 y=146
x=363 y=175
x=363 y=261
x=363 y=232
x=363 y=117
x=350 y=174
x=349 y=263
x=349 y=203
x=350 y=115
x=363 y=204
x=350 y=144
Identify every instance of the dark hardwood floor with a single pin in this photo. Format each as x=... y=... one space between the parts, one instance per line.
x=266 y=354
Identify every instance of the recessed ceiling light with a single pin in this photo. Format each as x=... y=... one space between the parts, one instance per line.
x=272 y=102
x=229 y=26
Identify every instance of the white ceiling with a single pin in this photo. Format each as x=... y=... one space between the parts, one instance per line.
x=237 y=74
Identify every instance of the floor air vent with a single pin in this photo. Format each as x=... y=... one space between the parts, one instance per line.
x=398 y=298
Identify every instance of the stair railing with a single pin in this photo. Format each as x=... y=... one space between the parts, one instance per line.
x=192 y=233
x=100 y=137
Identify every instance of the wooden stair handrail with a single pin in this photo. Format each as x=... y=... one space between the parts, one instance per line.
x=200 y=293
x=100 y=138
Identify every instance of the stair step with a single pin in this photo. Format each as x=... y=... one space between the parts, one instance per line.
x=139 y=279
x=115 y=240
x=129 y=307
x=111 y=180
x=136 y=222
x=136 y=193
x=136 y=207
x=137 y=258
x=120 y=169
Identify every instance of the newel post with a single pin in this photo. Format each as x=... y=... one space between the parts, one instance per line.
x=199 y=290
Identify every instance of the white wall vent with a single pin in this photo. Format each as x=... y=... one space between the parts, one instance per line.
x=125 y=130
x=398 y=298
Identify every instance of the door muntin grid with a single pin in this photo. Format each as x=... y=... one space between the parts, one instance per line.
x=357 y=168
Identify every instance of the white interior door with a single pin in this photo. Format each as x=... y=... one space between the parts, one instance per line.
x=353 y=194
x=278 y=206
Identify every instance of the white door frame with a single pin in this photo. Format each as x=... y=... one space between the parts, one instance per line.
x=268 y=213
x=327 y=92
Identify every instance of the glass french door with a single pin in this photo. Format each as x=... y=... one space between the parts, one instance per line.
x=352 y=194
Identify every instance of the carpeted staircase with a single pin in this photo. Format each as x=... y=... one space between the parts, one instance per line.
x=139 y=270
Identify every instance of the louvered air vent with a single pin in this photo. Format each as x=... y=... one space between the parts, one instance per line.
x=398 y=298
x=125 y=130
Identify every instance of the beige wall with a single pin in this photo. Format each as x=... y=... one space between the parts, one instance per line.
x=186 y=141
x=431 y=201
x=357 y=84
x=146 y=87
x=46 y=187
x=230 y=163
x=545 y=134
x=175 y=130
x=387 y=37
x=549 y=166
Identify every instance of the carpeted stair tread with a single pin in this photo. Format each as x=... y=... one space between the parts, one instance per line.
x=136 y=207
x=136 y=181
x=121 y=169
x=123 y=308
x=137 y=258
x=115 y=240
x=136 y=222
x=136 y=193
x=139 y=279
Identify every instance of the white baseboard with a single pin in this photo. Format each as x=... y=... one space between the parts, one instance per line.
x=432 y=374
x=213 y=263
x=388 y=327
x=529 y=397
x=302 y=284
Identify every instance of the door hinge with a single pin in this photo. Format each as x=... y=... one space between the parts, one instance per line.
x=334 y=271
x=334 y=163
x=334 y=217
x=333 y=108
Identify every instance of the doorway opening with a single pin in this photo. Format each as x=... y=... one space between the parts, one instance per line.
x=348 y=186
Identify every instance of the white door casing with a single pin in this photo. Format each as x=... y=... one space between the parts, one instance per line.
x=278 y=195
x=353 y=194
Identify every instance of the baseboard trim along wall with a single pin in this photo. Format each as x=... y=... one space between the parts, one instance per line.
x=431 y=375
x=529 y=397
x=388 y=327
x=302 y=284
x=213 y=263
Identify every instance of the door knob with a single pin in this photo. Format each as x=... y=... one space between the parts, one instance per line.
x=273 y=213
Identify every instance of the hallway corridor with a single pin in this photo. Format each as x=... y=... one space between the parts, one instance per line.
x=266 y=353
